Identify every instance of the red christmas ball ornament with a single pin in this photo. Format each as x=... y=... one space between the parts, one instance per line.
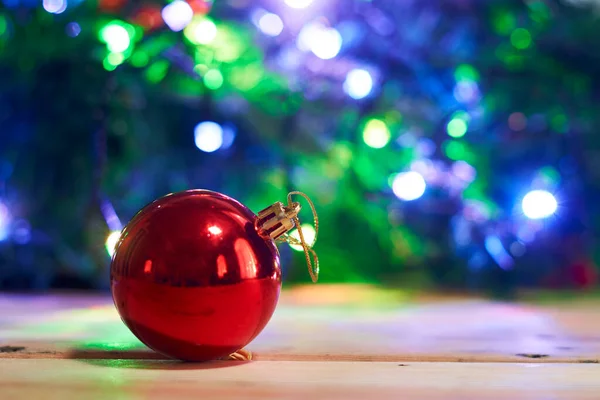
x=196 y=276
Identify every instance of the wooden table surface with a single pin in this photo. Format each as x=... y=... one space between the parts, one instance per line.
x=324 y=342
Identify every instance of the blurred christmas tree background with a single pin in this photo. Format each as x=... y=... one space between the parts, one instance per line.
x=447 y=144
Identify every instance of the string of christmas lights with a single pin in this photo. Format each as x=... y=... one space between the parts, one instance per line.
x=444 y=137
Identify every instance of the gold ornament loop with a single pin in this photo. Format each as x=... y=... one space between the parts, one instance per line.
x=292 y=210
x=275 y=221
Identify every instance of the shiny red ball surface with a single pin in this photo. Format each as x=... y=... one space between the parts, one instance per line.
x=192 y=279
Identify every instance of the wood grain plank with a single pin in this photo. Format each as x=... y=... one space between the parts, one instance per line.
x=329 y=323
x=127 y=379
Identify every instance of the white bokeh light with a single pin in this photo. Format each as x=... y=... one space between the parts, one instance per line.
x=409 y=185
x=208 y=136
x=327 y=43
x=358 y=83
x=205 y=32
x=55 y=6
x=298 y=3
x=116 y=37
x=4 y=221
x=308 y=35
x=177 y=15
x=322 y=41
x=309 y=233
x=539 y=204
x=270 y=24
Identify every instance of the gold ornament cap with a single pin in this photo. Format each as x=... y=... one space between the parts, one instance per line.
x=277 y=219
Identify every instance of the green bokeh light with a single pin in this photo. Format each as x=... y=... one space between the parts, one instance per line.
x=504 y=22
x=369 y=171
x=376 y=134
x=520 y=38
x=139 y=59
x=3 y=25
x=247 y=77
x=213 y=79
x=108 y=65
x=456 y=128
x=229 y=44
x=116 y=58
x=157 y=71
x=187 y=86
x=455 y=150
x=342 y=153
x=550 y=176
x=514 y=62
x=458 y=124
x=539 y=11
x=560 y=123
x=466 y=72
x=157 y=45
